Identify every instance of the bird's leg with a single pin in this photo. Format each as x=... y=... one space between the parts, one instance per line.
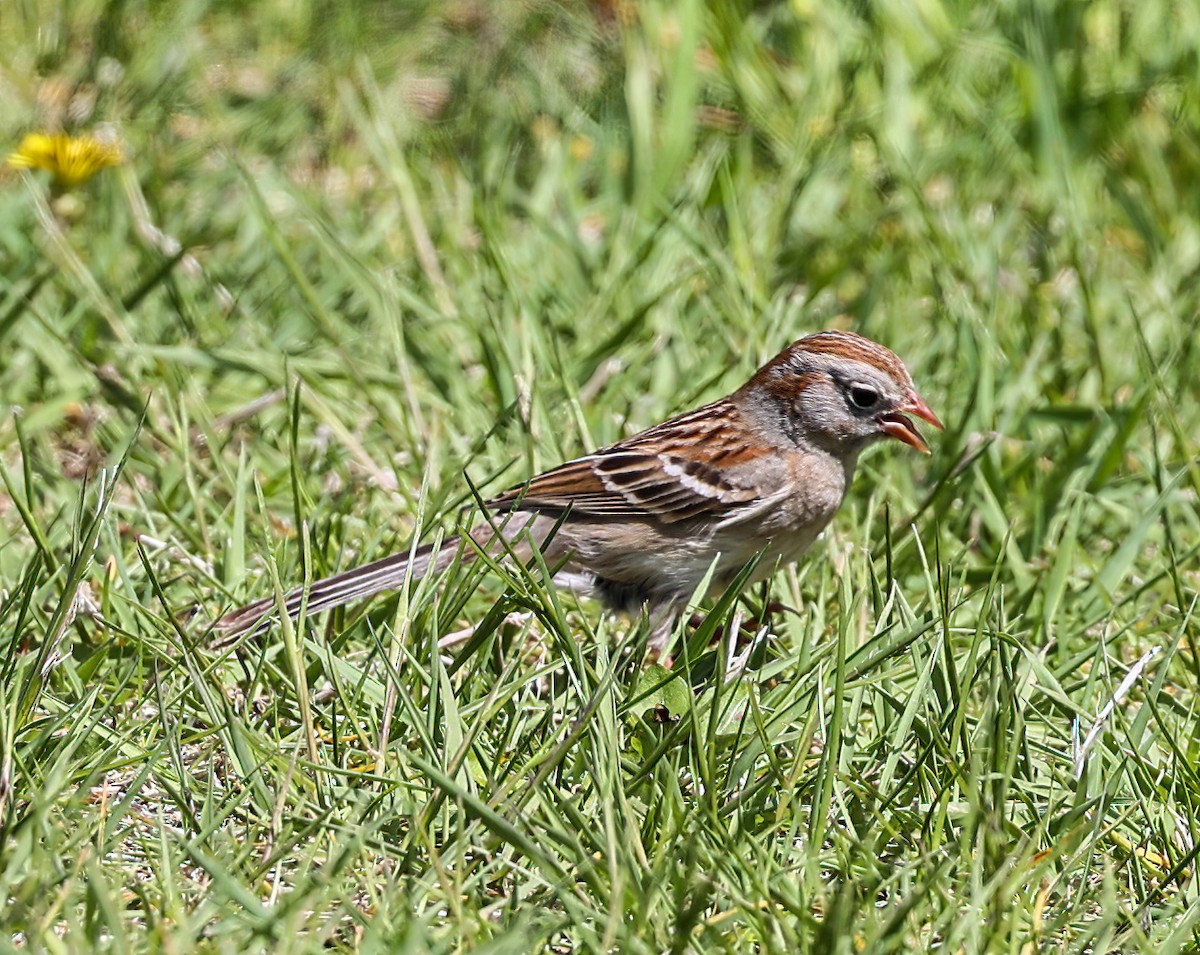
x=661 y=620
x=770 y=611
x=749 y=626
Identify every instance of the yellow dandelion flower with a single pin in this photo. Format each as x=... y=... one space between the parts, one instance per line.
x=71 y=160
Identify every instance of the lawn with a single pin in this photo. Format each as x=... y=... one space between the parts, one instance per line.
x=363 y=263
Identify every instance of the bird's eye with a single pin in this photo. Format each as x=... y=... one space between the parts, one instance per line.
x=863 y=397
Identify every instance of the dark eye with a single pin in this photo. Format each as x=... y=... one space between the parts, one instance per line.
x=863 y=397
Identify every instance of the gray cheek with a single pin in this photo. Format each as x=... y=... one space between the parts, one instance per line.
x=828 y=415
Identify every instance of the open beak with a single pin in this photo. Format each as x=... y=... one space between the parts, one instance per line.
x=896 y=425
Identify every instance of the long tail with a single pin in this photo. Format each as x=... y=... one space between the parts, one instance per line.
x=387 y=574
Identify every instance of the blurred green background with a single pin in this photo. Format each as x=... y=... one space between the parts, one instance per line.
x=361 y=256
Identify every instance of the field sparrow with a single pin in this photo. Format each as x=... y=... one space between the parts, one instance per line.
x=640 y=523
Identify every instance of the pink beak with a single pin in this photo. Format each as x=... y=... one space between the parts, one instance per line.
x=896 y=425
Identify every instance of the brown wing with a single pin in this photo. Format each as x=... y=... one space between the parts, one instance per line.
x=662 y=474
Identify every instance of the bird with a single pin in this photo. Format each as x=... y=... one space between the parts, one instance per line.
x=640 y=524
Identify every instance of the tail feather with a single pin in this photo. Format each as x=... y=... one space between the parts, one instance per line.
x=390 y=573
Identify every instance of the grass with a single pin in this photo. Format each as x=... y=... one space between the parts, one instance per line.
x=361 y=258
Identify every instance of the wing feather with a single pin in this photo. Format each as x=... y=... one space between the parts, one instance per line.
x=662 y=474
